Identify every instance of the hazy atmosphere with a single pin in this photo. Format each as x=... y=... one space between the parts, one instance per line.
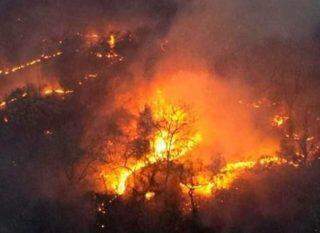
x=142 y=116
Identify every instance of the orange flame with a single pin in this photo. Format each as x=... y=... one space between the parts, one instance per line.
x=164 y=146
x=149 y=195
x=43 y=57
x=112 y=41
x=205 y=186
x=59 y=91
x=279 y=120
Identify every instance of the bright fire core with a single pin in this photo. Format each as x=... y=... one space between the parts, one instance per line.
x=167 y=143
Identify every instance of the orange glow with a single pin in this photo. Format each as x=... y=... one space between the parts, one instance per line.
x=3 y=104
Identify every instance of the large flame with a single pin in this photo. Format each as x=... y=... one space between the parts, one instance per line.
x=164 y=145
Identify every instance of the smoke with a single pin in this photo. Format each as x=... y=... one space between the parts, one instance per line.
x=215 y=29
x=200 y=36
x=205 y=32
x=220 y=53
x=217 y=55
x=33 y=28
x=224 y=51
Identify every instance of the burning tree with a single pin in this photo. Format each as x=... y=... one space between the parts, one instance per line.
x=162 y=134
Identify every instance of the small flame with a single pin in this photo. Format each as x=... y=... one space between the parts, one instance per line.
x=112 y=41
x=59 y=91
x=149 y=195
x=43 y=57
x=5 y=119
x=279 y=120
x=3 y=104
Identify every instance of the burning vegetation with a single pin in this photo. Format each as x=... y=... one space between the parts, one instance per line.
x=162 y=136
x=133 y=122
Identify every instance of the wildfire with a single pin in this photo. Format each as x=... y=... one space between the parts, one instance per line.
x=205 y=186
x=33 y=62
x=165 y=145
